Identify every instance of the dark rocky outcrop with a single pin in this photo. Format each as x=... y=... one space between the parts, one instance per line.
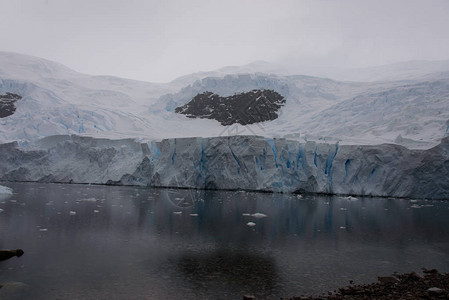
x=243 y=108
x=7 y=104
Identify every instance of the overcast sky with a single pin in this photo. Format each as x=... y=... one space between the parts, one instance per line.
x=161 y=40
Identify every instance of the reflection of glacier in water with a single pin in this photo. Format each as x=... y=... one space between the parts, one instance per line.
x=182 y=198
x=96 y=242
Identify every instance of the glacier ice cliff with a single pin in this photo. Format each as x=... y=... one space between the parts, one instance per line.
x=234 y=162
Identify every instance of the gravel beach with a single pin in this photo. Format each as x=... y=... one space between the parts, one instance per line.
x=429 y=285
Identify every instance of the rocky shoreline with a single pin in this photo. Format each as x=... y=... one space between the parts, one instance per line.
x=429 y=285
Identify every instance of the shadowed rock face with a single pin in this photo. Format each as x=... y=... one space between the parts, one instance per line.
x=7 y=106
x=244 y=108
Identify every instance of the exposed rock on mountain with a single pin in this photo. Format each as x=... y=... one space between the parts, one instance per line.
x=243 y=108
x=7 y=106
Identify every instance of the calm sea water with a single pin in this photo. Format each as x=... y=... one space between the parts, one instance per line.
x=103 y=242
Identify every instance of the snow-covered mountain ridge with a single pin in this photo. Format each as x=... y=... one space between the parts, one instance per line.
x=57 y=100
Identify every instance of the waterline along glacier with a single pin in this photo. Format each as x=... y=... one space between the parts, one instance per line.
x=300 y=134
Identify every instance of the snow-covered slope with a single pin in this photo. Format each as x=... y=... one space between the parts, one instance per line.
x=411 y=70
x=57 y=100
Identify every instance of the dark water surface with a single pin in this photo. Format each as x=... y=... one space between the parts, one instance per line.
x=103 y=242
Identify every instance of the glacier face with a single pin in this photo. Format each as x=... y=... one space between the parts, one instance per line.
x=235 y=162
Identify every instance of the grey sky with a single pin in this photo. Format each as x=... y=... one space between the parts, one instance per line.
x=161 y=40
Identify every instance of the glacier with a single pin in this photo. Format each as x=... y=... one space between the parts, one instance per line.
x=234 y=163
x=58 y=101
x=377 y=138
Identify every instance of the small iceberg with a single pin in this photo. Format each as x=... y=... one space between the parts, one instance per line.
x=259 y=215
x=251 y=224
x=4 y=190
x=87 y=200
x=194 y=215
x=72 y=213
x=246 y=215
x=177 y=212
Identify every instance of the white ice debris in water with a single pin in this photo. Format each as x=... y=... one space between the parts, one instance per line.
x=88 y=200
x=415 y=206
x=413 y=201
x=43 y=229
x=5 y=190
x=350 y=198
x=259 y=215
x=72 y=213
x=1 y=210
x=96 y=211
x=299 y=196
x=251 y=224
x=343 y=208
x=177 y=212
x=246 y=215
x=194 y=215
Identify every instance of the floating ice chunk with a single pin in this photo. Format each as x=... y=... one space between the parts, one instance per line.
x=299 y=196
x=251 y=224
x=177 y=212
x=246 y=215
x=43 y=229
x=72 y=213
x=5 y=190
x=413 y=201
x=415 y=206
x=96 y=211
x=87 y=200
x=350 y=198
x=1 y=210
x=342 y=227
x=259 y=215
x=194 y=215
x=343 y=208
